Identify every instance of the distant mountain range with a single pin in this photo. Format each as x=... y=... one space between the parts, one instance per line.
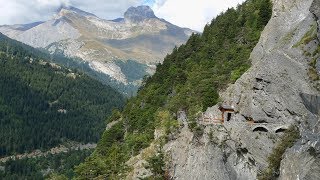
x=116 y=48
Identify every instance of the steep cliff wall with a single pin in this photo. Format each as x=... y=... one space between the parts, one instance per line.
x=279 y=91
x=269 y=93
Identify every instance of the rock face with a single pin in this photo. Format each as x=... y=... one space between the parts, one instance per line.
x=139 y=13
x=276 y=92
x=139 y=36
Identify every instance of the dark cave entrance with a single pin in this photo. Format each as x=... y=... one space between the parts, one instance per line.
x=280 y=130
x=260 y=129
x=228 y=116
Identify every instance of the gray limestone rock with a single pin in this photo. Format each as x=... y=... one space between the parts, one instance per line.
x=139 y=13
x=275 y=93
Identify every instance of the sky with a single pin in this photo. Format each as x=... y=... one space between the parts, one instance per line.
x=193 y=14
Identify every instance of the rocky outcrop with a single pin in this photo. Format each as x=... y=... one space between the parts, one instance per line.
x=140 y=13
x=312 y=103
x=269 y=94
x=70 y=146
x=48 y=32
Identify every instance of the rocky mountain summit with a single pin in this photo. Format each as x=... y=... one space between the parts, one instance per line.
x=139 y=13
x=139 y=36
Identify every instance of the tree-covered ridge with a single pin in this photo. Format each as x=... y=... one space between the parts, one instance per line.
x=47 y=167
x=43 y=104
x=189 y=79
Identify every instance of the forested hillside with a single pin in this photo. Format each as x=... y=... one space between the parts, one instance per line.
x=44 y=167
x=43 y=104
x=189 y=79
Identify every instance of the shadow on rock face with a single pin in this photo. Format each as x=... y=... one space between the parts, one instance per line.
x=311 y=102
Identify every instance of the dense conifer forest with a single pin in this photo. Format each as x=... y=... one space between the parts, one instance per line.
x=43 y=104
x=59 y=166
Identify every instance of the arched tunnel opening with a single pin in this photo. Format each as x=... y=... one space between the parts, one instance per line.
x=260 y=129
x=280 y=130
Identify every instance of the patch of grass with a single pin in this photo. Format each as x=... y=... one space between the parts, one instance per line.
x=309 y=36
x=236 y=74
x=313 y=75
x=156 y=164
x=313 y=62
x=288 y=37
x=198 y=131
x=317 y=51
x=306 y=53
x=287 y=141
x=212 y=138
x=166 y=121
x=313 y=152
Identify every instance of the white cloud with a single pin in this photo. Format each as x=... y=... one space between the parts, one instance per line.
x=22 y=11
x=190 y=13
x=193 y=14
x=107 y=9
x=26 y=11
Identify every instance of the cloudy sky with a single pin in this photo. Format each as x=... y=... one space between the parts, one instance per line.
x=193 y=14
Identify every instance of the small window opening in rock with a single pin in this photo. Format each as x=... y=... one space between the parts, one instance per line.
x=244 y=150
x=280 y=130
x=259 y=79
x=260 y=121
x=229 y=117
x=261 y=129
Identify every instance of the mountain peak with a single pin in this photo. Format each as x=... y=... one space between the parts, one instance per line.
x=67 y=9
x=139 y=13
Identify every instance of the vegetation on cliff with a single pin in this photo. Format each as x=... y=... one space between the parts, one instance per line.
x=274 y=160
x=57 y=166
x=189 y=79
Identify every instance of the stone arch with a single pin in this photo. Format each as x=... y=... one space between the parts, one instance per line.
x=260 y=129
x=281 y=129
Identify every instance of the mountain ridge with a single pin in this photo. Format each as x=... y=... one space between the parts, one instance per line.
x=139 y=36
